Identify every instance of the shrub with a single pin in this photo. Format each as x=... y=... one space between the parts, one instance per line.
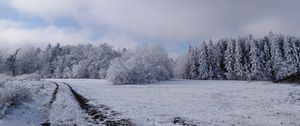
x=4 y=77
x=12 y=95
x=145 y=64
x=28 y=77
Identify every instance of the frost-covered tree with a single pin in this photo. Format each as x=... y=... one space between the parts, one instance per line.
x=27 y=60
x=81 y=70
x=61 y=64
x=180 y=66
x=256 y=71
x=290 y=55
x=219 y=54
x=276 y=44
x=203 y=68
x=239 y=69
x=211 y=61
x=272 y=57
x=3 y=57
x=146 y=64
x=47 y=61
x=229 y=60
x=267 y=58
x=296 y=46
x=191 y=69
x=11 y=63
x=72 y=61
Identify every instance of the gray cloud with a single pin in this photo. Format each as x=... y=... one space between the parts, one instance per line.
x=178 y=20
x=13 y=33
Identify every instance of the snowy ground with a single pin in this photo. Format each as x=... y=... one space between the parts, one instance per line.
x=169 y=103
x=33 y=112
x=57 y=104
x=198 y=102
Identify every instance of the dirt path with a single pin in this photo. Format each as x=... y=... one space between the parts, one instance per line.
x=69 y=108
x=183 y=122
x=64 y=110
x=47 y=123
x=54 y=94
x=101 y=114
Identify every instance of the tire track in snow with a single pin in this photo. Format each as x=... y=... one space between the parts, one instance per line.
x=102 y=114
x=54 y=94
x=64 y=110
x=47 y=123
x=183 y=122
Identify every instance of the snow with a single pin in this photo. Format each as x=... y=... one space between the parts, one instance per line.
x=199 y=102
x=65 y=110
x=33 y=112
x=196 y=102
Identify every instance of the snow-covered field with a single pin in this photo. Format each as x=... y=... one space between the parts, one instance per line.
x=55 y=104
x=168 y=103
x=198 y=102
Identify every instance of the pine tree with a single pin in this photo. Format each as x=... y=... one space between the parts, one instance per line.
x=238 y=64
x=229 y=60
x=290 y=55
x=246 y=59
x=255 y=60
x=296 y=46
x=211 y=61
x=191 y=70
x=219 y=60
x=203 y=68
x=194 y=64
x=188 y=64
x=277 y=56
x=267 y=58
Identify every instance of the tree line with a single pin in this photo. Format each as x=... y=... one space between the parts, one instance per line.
x=81 y=61
x=144 y=64
x=272 y=57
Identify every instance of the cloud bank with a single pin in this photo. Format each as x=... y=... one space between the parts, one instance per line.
x=128 y=23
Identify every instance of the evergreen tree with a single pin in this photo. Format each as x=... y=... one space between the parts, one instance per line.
x=188 y=64
x=229 y=60
x=238 y=64
x=267 y=58
x=277 y=60
x=203 y=68
x=190 y=68
x=255 y=60
x=219 y=60
x=290 y=55
x=211 y=61
x=194 y=64
x=296 y=46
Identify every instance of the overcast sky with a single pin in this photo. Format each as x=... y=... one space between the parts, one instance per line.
x=127 y=23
